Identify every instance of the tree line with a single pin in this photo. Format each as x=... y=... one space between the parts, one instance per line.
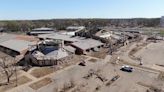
x=61 y=24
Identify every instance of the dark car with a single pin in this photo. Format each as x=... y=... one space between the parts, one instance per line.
x=127 y=68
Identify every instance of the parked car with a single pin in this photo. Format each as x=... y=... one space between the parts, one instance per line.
x=127 y=68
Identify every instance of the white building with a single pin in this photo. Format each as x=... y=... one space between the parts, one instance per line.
x=71 y=30
x=162 y=21
x=42 y=30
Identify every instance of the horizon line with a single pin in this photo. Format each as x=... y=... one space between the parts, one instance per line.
x=76 y=18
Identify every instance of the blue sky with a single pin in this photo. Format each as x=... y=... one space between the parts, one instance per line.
x=49 y=9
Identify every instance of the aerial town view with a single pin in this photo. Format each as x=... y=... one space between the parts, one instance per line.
x=82 y=46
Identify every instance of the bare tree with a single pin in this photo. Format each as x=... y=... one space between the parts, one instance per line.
x=110 y=46
x=8 y=67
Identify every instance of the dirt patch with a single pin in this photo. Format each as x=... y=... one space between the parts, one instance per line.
x=151 y=88
x=93 y=60
x=112 y=80
x=66 y=87
x=136 y=49
x=100 y=54
x=40 y=83
x=160 y=65
x=161 y=76
x=74 y=60
x=41 y=71
x=21 y=80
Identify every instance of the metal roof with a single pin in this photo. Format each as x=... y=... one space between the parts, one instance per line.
x=5 y=37
x=69 y=48
x=41 y=32
x=57 y=36
x=43 y=29
x=87 y=44
x=75 y=27
x=57 y=54
x=16 y=45
x=117 y=37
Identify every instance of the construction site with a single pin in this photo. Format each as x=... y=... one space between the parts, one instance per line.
x=71 y=60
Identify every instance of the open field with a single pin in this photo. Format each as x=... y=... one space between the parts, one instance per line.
x=152 y=54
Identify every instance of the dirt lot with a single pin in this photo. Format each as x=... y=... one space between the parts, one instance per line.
x=21 y=80
x=40 y=83
x=41 y=71
x=101 y=54
x=94 y=78
x=152 y=54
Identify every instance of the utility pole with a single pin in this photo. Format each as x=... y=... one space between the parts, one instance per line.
x=124 y=39
x=140 y=60
x=110 y=48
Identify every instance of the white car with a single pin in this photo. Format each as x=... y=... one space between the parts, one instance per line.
x=127 y=68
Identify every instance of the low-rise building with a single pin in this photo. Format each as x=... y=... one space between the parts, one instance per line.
x=16 y=46
x=42 y=30
x=81 y=44
x=104 y=34
x=75 y=28
x=86 y=45
x=72 y=30
x=57 y=36
x=47 y=52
